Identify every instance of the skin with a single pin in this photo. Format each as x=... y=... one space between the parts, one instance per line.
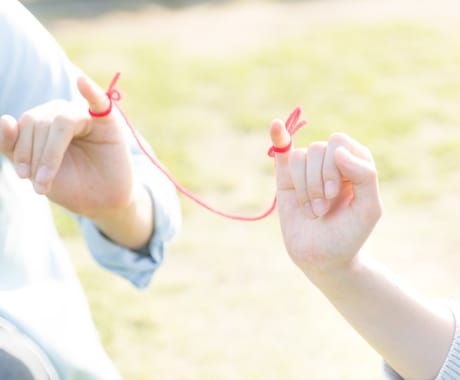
x=81 y=163
x=329 y=203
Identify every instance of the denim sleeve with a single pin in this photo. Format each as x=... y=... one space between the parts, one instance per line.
x=138 y=267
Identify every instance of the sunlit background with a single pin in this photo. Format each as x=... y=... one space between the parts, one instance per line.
x=201 y=80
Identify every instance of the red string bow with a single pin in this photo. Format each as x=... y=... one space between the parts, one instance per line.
x=292 y=126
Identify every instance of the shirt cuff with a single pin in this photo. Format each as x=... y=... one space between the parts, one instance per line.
x=138 y=267
x=451 y=367
x=389 y=373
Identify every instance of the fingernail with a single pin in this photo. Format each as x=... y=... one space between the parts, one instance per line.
x=39 y=188
x=42 y=174
x=23 y=170
x=331 y=189
x=319 y=206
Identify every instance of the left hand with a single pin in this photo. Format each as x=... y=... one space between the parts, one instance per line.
x=328 y=200
x=79 y=162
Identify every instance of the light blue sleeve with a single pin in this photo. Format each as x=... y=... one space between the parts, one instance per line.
x=389 y=374
x=33 y=68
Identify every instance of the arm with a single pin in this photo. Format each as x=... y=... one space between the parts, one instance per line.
x=329 y=203
x=82 y=164
x=35 y=70
x=129 y=220
x=31 y=56
x=411 y=333
x=90 y=167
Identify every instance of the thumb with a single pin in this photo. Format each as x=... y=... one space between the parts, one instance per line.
x=98 y=101
x=361 y=173
x=8 y=135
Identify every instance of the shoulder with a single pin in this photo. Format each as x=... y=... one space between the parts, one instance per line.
x=20 y=29
x=33 y=67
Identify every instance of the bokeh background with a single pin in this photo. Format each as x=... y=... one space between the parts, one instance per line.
x=201 y=81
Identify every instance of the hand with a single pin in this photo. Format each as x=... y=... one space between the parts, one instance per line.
x=328 y=199
x=79 y=162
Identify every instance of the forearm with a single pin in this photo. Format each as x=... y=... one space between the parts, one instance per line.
x=131 y=226
x=411 y=333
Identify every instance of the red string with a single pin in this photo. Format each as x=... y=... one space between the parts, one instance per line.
x=292 y=125
x=112 y=94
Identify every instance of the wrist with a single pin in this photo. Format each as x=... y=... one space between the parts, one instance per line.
x=130 y=224
x=338 y=274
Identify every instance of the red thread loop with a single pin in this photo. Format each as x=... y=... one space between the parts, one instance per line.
x=112 y=94
x=283 y=149
x=292 y=126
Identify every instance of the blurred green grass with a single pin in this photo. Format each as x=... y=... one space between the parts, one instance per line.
x=380 y=83
x=394 y=86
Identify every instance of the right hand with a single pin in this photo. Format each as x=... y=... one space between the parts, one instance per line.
x=328 y=199
x=79 y=162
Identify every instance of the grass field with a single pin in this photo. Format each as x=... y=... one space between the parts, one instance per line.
x=202 y=84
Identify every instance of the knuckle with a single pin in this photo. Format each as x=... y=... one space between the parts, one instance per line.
x=315 y=188
x=372 y=173
x=302 y=197
x=26 y=118
x=373 y=214
x=49 y=158
x=296 y=156
x=338 y=137
x=316 y=193
x=368 y=154
x=21 y=155
x=63 y=125
x=61 y=120
x=316 y=147
x=41 y=125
